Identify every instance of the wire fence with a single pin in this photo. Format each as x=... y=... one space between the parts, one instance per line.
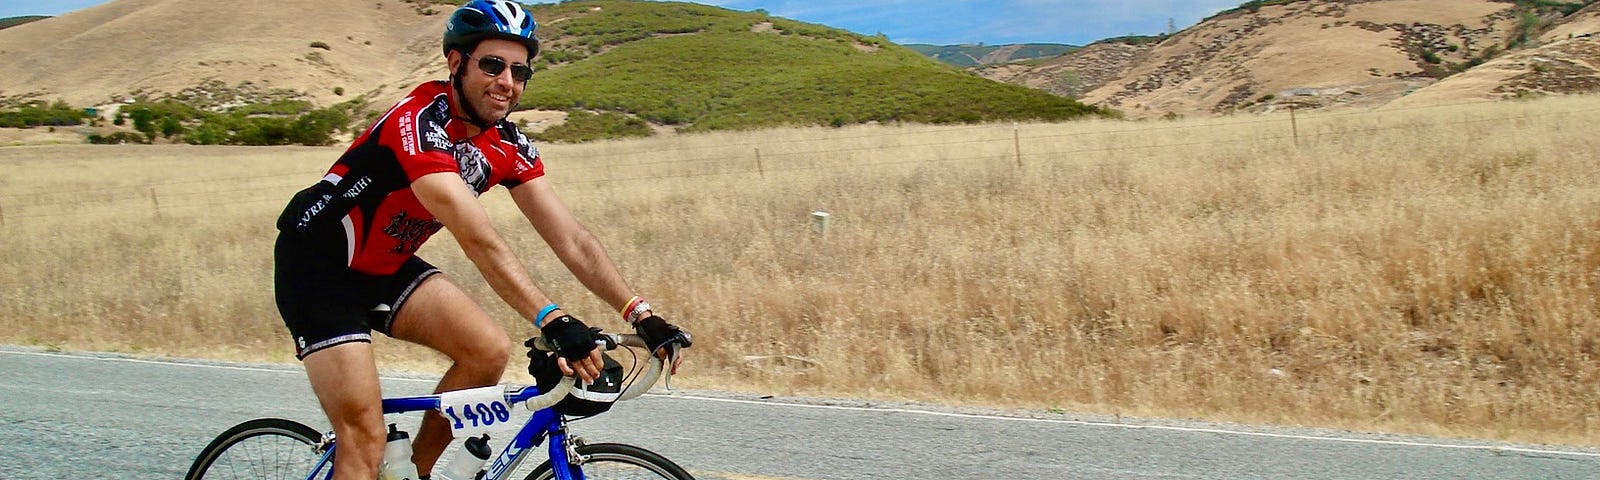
x=749 y=159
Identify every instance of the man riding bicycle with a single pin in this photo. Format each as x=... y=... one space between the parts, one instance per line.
x=345 y=261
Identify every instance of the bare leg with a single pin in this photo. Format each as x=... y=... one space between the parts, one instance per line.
x=441 y=316
x=345 y=379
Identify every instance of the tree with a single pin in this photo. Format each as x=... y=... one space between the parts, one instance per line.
x=170 y=127
x=144 y=121
x=317 y=127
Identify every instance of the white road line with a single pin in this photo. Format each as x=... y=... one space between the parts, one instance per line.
x=1489 y=448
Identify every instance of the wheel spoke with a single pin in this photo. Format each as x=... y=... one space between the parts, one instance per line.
x=259 y=449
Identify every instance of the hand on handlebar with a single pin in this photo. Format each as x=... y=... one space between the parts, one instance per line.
x=574 y=343
x=662 y=338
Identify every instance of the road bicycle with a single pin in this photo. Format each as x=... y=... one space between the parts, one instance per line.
x=275 y=448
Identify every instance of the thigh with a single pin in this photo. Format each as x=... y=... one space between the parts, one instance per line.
x=345 y=379
x=439 y=315
x=323 y=303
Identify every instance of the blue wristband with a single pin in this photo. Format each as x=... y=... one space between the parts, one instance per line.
x=538 y=321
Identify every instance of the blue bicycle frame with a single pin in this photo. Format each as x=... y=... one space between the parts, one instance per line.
x=544 y=424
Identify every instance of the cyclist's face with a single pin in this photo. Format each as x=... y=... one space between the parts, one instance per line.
x=492 y=96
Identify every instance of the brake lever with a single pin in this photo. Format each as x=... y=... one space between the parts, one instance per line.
x=610 y=340
x=672 y=362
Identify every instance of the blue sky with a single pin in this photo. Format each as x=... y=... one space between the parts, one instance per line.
x=919 y=21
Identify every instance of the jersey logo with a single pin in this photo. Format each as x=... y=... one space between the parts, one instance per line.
x=527 y=154
x=411 y=232
x=431 y=122
x=474 y=167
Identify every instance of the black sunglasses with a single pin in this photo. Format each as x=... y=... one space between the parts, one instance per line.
x=494 y=65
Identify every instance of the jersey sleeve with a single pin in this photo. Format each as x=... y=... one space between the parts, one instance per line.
x=526 y=165
x=424 y=147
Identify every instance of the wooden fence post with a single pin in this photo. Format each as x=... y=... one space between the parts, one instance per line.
x=1016 y=141
x=1294 y=125
x=759 y=168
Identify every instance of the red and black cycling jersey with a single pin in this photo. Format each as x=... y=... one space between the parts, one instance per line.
x=364 y=207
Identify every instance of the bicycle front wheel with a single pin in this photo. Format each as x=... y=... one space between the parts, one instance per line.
x=615 y=461
x=266 y=448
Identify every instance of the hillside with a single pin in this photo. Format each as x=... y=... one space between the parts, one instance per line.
x=1331 y=54
x=700 y=68
x=675 y=65
x=246 y=52
x=979 y=55
x=9 y=22
x=1072 y=74
x=1563 y=60
x=1317 y=52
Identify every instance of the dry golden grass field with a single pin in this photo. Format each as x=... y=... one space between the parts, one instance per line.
x=1430 y=270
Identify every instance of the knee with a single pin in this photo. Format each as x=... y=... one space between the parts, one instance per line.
x=361 y=446
x=498 y=354
x=488 y=359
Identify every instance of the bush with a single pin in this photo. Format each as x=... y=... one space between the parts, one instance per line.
x=164 y=118
x=117 y=138
x=315 y=127
x=36 y=114
x=321 y=45
x=279 y=107
x=582 y=126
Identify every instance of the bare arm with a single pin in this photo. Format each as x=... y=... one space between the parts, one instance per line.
x=579 y=250
x=452 y=202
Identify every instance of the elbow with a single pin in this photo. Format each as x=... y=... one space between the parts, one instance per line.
x=481 y=246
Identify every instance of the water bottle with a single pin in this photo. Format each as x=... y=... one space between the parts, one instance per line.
x=469 y=462
x=397 y=457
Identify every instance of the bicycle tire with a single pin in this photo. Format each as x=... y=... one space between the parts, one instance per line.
x=271 y=448
x=604 y=458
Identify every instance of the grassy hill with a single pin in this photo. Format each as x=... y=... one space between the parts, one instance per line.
x=697 y=68
x=978 y=55
x=616 y=68
x=9 y=22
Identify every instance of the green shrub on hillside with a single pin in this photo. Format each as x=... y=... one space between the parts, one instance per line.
x=1564 y=8
x=722 y=80
x=154 y=119
x=277 y=107
x=22 y=20
x=315 y=127
x=118 y=138
x=282 y=122
x=582 y=126
x=39 y=113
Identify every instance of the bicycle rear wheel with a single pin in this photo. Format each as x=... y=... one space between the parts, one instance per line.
x=615 y=461
x=265 y=448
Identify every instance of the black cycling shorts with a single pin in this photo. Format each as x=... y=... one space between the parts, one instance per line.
x=325 y=303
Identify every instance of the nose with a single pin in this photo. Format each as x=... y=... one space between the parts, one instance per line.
x=504 y=79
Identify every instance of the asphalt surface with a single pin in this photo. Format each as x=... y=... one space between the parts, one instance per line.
x=84 y=415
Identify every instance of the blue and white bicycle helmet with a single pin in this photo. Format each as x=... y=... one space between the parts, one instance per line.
x=483 y=19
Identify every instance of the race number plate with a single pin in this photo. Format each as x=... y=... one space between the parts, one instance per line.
x=476 y=410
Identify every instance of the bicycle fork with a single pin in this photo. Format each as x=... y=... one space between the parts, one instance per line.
x=565 y=461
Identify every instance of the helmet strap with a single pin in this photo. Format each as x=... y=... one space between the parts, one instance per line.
x=473 y=117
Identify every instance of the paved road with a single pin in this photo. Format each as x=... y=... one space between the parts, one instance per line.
x=100 y=416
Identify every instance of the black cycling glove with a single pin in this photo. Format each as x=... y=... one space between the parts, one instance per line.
x=657 y=333
x=568 y=337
